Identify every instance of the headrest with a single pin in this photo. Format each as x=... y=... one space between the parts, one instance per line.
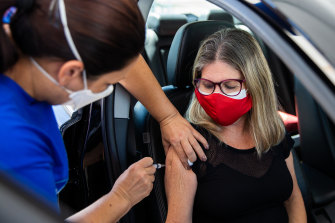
x=220 y=15
x=167 y=24
x=184 y=49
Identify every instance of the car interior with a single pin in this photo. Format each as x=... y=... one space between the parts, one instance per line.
x=104 y=138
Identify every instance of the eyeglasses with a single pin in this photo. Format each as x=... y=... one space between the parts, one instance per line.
x=229 y=87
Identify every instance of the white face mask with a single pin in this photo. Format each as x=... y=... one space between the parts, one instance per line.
x=85 y=96
x=78 y=99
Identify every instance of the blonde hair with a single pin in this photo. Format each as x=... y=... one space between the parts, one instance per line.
x=240 y=50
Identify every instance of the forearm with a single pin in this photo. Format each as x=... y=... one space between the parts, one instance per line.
x=296 y=209
x=179 y=213
x=109 y=208
x=141 y=83
x=177 y=132
x=295 y=206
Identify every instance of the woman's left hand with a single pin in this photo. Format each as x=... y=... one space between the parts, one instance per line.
x=177 y=133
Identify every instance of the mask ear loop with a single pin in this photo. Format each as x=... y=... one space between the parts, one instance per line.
x=68 y=36
x=48 y=76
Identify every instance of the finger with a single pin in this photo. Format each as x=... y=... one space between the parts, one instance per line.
x=177 y=164
x=150 y=170
x=151 y=178
x=150 y=188
x=166 y=146
x=188 y=150
x=168 y=158
x=200 y=138
x=145 y=162
x=197 y=148
x=182 y=156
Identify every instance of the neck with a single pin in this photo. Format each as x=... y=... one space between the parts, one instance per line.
x=32 y=81
x=238 y=134
x=239 y=127
x=21 y=73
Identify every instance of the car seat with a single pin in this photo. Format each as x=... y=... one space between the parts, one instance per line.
x=179 y=73
x=219 y=14
x=317 y=153
x=159 y=36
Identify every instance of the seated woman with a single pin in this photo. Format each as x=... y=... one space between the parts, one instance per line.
x=249 y=174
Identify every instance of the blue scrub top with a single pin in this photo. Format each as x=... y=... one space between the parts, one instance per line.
x=31 y=146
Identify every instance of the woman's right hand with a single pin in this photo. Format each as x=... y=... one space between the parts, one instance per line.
x=136 y=182
x=180 y=187
x=132 y=186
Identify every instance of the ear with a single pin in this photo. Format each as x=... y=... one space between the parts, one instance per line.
x=70 y=74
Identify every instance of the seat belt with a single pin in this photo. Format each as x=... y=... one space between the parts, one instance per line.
x=114 y=119
x=121 y=116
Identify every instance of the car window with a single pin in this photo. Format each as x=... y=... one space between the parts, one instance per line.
x=193 y=9
x=198 y=8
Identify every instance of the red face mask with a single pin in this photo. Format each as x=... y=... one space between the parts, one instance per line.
x=222 y=109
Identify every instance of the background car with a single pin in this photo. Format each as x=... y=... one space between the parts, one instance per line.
x=296 y=36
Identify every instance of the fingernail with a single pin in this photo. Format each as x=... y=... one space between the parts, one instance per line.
x=207 y=146
x=204 y=158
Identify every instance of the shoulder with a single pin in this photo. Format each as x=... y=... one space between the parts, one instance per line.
x=284 y=147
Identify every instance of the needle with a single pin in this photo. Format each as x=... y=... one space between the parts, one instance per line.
x=158 y=165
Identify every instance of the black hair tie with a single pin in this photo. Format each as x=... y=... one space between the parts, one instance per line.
x=25 y=5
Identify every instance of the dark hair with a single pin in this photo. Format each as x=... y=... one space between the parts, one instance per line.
x=107 y=34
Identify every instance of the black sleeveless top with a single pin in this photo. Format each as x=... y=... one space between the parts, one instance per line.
x=237 y=186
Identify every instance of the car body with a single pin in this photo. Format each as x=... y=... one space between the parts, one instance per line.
x=104 y=138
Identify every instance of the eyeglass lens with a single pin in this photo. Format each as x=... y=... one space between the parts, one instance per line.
x=228 y=87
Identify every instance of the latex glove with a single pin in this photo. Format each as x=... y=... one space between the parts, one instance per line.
x=180 y=187
x=136 y=182
x=178 y=133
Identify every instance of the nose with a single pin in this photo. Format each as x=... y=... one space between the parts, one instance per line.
x=217 y=88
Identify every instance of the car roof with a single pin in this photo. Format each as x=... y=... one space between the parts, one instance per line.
x=314 y=18
x=310 y=19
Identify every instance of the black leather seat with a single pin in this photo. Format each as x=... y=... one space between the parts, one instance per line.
x=159 y=36
x=219 y=14
x=179 y=70
x=317 y=152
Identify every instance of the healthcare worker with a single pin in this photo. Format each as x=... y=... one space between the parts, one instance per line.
x=71 y=52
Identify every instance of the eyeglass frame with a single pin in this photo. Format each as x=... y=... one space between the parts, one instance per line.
x=241 y=81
